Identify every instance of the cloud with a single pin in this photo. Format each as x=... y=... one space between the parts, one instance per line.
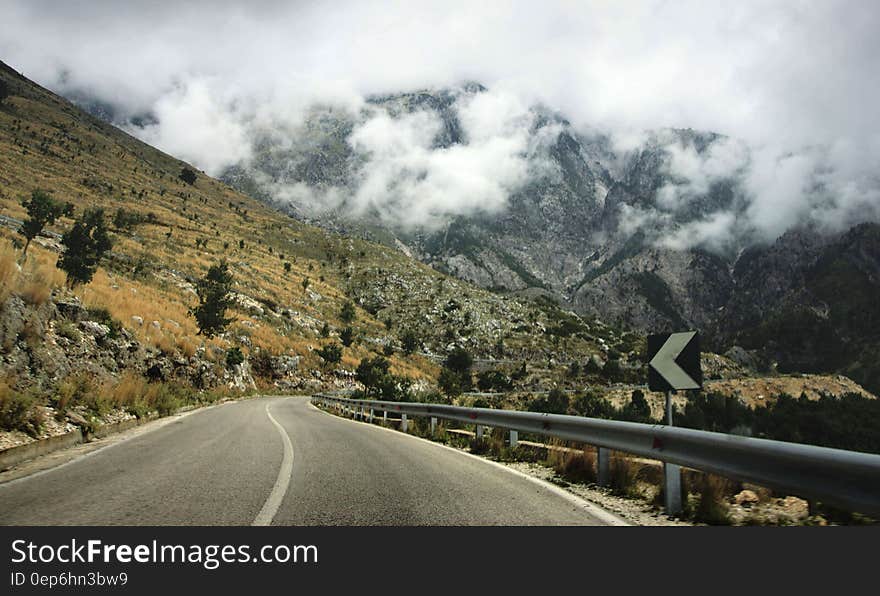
x=409 y=180
x=196 y=123
x=793 y=81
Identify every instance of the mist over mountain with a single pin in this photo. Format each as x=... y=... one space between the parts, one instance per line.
x=661 y=166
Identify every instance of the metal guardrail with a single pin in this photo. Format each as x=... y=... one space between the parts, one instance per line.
x=846 y=479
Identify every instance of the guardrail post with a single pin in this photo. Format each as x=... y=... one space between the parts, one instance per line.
x=385 y=416
x=371 y=415
x=514 y=439
x=403 y=423
x=672 y=488
x=603 y=459
x=479 y=432
x=433 y=425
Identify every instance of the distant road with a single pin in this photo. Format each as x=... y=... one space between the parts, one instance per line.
x=281 y=461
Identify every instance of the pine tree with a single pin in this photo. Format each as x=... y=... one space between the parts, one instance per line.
x=85 y=244
x=215 y=296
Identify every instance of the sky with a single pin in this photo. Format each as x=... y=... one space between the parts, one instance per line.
x=794 y=83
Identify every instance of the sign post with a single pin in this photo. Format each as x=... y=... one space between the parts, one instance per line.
x=673 y=364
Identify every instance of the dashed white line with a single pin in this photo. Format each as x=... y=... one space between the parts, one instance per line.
x=273 y=502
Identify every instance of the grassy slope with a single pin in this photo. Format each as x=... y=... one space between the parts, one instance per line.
x=46 y=142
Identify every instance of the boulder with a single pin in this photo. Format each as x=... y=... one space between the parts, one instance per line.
x=746 y=498
x=73 y=311
x=95 y=329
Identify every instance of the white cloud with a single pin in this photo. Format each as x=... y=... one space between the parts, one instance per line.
x=795 y=81
x=196 y=123
x=411 y=182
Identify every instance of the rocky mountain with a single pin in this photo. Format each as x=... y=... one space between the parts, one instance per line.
x=608 y=233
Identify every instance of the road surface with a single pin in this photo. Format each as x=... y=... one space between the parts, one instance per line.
x=281 y=461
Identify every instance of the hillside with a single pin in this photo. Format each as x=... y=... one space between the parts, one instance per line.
x=147 y=283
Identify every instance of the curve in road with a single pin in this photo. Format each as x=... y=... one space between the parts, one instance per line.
x=281 y=461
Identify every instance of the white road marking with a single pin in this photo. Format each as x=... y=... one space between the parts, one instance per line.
x=589 y=508
x=273 y=502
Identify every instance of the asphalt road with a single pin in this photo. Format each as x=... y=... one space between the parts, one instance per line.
x=284 y=462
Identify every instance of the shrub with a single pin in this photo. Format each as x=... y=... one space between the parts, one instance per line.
x=347 y=314
x=409 y=342
x=234 y=357
x=573 y=465
x=187 y=175
x=622 y=476
x=69 y=331
x=80 y=390
x=712 y=508
x=493 y=380
x=263 y=364
x=555 y=402
x=18 y=411
x=331 y=354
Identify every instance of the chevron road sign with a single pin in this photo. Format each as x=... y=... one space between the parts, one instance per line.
x=674 y=361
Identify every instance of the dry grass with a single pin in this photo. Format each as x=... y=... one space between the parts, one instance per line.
x=34 y=281
x=712 y=507
x=9 y=270
x=573 y=464
x=623 y=475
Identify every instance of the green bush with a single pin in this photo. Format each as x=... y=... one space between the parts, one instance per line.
x=234 y=357
x=18 y=412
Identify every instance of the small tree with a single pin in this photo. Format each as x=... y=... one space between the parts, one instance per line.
x=234 y=357
x=325 y=330
x=287 y=267
x=371 y=372
x=347 y=337
x=215 y=296
x=449 y=382
x=331 y=354
x=4 y=91
x=42 y=211
x=347 y=314
x=459 y=360
x=375 y=375
x=188 y=176
x=409 y=342
x=455 y=377
x=85 y=244
x=305 y=284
